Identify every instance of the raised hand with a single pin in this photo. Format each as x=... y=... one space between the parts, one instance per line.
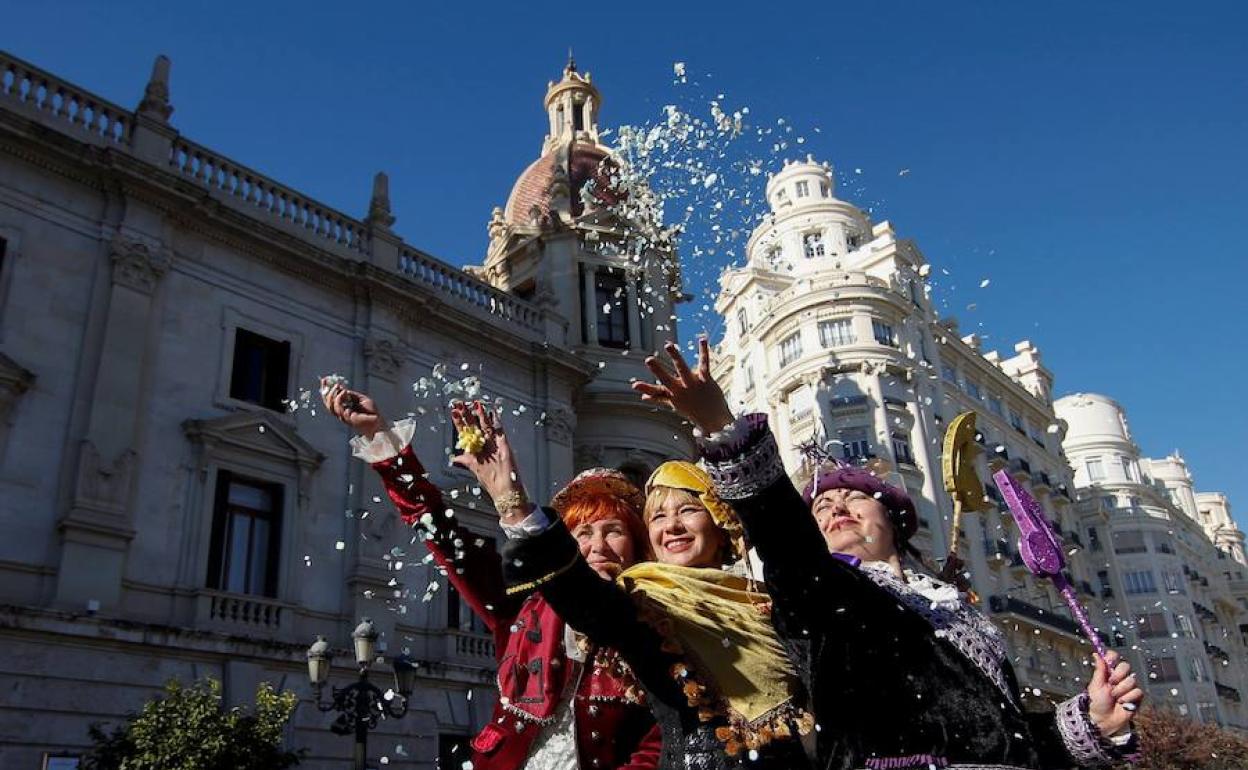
x=352 y=407
x=492 y=462
x=691 y=393
x=1110 y=691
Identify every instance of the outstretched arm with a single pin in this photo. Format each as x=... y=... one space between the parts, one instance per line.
x=743 y=460
x=471 y=564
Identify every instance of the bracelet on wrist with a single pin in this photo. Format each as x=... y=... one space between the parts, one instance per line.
x=509 y=501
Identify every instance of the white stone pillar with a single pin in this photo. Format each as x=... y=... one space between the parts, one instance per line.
x=590 y=301
x=634 y=313
x=879 y=417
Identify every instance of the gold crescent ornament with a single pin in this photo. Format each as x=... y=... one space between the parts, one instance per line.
x=957 y=464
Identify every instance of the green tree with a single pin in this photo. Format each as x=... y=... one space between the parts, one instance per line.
x=189 y=729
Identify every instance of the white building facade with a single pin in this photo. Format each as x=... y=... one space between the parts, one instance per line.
x=166 y=515
x=1171 y=558
x=831 y=332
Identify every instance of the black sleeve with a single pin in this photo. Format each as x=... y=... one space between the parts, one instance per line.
x=600 y=609
x=811 y=590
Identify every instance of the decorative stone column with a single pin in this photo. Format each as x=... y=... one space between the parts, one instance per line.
x=634 y=313
x=97 y=528
x=589 y=300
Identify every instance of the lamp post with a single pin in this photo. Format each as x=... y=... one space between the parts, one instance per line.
x=360 y=704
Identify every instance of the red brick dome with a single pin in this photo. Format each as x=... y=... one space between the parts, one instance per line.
x=532 y=188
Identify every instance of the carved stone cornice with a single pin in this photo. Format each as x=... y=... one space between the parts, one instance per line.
x=255 y=433
x=137 y=264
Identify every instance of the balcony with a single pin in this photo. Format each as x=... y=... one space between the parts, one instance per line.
x=1227 y=692
x=242 y=614
x=469 y=648
x=1041 y=481
x=1019 y=465
x=847 y=402
x=1217 y=653
x=1205 y=614
x=1008 y=605
x=1107 y=592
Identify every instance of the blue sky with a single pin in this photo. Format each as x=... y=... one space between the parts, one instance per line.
x=1088 y=158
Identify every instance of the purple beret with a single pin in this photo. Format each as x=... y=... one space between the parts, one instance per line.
x=898 y=503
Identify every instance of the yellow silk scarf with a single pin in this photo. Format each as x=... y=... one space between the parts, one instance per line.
x=723 y=631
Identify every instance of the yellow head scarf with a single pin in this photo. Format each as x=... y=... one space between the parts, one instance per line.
x=733 y=663
x=679 y=474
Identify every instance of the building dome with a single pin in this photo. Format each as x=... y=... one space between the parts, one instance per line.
x=531 y=195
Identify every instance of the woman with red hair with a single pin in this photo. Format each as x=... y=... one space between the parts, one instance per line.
x=564 y=703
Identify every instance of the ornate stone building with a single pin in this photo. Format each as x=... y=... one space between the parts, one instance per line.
x=830 y=330
x=1170 y=559
x=165 y=514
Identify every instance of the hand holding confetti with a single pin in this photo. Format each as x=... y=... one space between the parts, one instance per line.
x=486 y=453
x=353 y=408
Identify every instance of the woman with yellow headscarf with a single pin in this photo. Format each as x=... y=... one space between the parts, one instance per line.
x=695 y=631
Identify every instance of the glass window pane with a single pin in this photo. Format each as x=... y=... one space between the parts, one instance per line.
x=252 y=497
x=236 y=553
x=258 y=563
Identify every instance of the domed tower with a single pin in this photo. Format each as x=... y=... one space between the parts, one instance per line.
x=559 y=243
x=825 y=331
x=1098 y=441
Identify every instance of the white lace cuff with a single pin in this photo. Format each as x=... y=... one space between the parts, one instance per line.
x=384 y=444
x=534 y=524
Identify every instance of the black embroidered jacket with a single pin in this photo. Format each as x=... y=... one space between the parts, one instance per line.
x=891 y=686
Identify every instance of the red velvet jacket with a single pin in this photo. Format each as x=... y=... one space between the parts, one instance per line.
x=614 y=727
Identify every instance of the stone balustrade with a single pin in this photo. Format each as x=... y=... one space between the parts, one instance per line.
x=242 y=615
x=268 y=198
x=459 y=285
x=29 y=91
x=56 y=103
x=474 y=649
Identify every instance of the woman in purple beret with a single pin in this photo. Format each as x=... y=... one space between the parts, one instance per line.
x=901 y=671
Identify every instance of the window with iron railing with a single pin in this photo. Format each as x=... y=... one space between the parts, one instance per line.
x=812 y=245
x=790 y=349
x=1139 y=582
x=901 y=449
x=854 y=443
x=885 y=334
x=836 y=332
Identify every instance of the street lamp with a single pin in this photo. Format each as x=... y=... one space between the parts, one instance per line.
x=360 y=704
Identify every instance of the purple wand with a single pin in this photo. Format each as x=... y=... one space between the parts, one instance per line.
x=1041 y=549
